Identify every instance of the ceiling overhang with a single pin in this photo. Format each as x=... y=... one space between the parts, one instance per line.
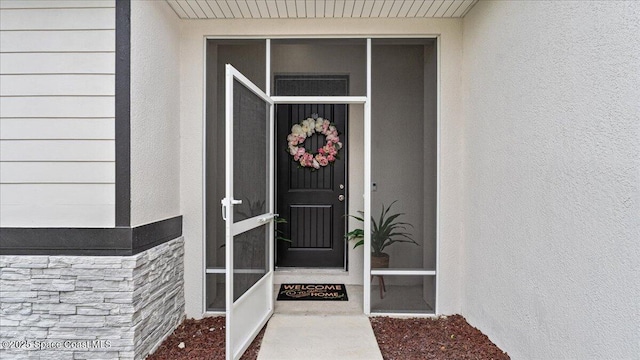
x=308 y=9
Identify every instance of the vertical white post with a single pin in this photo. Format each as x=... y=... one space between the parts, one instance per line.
x=267 y=82
x=272 y=225
x=272 y=164
x=203 y=247
x=438 y=164
x=228 y=207
x=367 y=188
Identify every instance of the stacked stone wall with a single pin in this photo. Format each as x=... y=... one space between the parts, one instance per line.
x=88 y=307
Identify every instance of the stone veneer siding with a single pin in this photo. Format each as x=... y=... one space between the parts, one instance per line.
x=129 y=302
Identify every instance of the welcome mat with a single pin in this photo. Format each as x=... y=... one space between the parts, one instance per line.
x=317 y=292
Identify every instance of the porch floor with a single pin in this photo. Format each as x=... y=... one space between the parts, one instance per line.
x=320 y=330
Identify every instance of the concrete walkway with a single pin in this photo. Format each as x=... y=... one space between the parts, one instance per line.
x=309 y=337
x=309 y=330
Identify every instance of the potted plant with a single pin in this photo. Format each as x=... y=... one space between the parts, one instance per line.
x=386 y=231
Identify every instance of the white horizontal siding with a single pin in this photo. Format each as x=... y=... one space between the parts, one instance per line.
x=57 y=19
x=48 y=215
x=66 y=107
x=57 y=41
x=57 y=150
x=59 y=194
x=57 y=113
x=57 y=172
x=55 y=4
x=57 y=205
x=57 y=85
x=57 y=63
x=53 y=128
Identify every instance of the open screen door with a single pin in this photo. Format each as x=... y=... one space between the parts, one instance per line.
x=248 y=211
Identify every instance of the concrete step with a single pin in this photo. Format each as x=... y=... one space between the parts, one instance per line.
x=310 y=337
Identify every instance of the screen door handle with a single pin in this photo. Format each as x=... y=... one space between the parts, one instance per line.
x=225 y=203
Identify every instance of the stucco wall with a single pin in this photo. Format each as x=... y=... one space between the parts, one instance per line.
x=552 y=177
x=155 y=112
x=192 y=117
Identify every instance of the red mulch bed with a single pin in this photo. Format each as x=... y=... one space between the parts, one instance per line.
x=448 y=337
x=203 y=339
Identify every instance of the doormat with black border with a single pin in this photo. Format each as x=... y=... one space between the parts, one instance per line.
x=316 y=292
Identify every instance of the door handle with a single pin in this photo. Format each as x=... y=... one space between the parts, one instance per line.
x=223 y=202
x=341 y=197
x=225 y=205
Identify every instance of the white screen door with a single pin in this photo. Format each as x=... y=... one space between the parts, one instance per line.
x=248 y=211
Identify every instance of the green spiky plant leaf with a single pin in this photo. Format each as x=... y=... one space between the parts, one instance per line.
x=279 y=233
x=385 y=231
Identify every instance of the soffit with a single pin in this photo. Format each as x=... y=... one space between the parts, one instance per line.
x=301 y=9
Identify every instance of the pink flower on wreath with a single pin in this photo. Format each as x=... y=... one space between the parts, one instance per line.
x=322 y=160
x=306 y=159
x=331 y=158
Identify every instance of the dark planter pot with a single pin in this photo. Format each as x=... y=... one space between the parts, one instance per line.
x=380 y=262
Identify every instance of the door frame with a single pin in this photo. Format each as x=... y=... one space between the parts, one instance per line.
x=345 y=257
x=327 y=100
x=366 y=101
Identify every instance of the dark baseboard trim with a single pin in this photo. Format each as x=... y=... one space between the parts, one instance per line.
x=147 y=236
x=118 y=241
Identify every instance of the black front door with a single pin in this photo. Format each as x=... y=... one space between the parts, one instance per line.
x=312 y=201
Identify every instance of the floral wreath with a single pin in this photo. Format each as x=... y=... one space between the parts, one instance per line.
x=325 y=155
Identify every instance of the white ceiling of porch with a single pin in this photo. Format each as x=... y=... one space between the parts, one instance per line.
x=279 y=9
